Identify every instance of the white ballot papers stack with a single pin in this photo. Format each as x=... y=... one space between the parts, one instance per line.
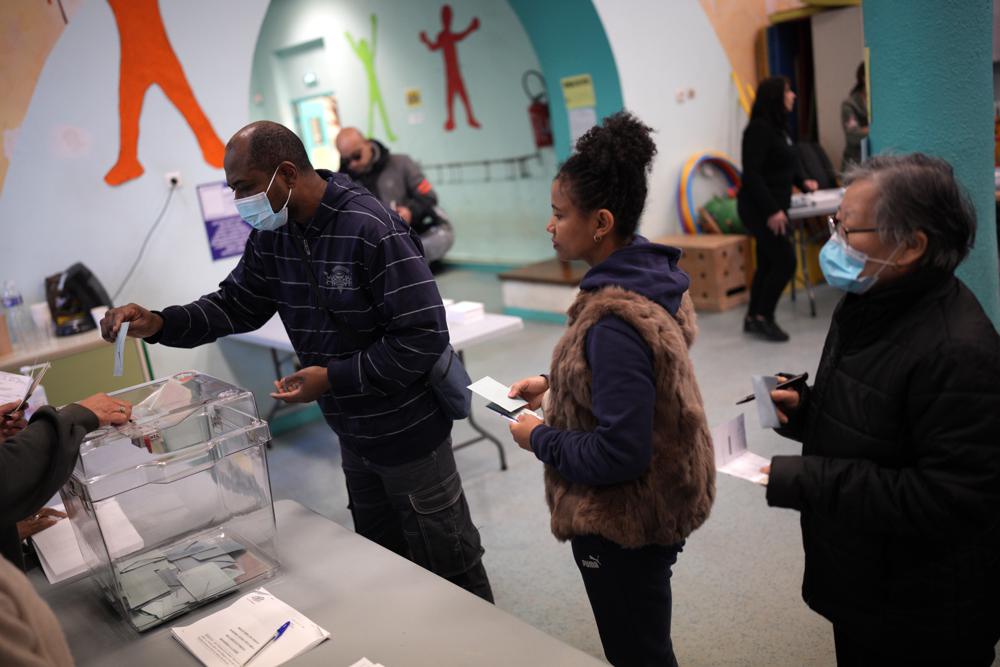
x=59 y=552
x=232 y=636
x=731 y=454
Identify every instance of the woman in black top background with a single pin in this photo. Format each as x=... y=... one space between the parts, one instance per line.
x=770 y=168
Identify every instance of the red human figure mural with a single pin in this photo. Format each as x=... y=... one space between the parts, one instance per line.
x=148 y=58
x=445 y=42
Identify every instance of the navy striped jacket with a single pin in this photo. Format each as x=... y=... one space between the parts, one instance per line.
x=370 y=268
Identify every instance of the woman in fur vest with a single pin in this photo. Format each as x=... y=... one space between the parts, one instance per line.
x=629 y=467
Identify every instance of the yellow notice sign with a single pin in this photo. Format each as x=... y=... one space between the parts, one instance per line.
x=413 y=98
x=578 y=91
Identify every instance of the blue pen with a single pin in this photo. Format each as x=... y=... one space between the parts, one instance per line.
x=273 y=638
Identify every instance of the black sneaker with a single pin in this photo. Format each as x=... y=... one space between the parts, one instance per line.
x=770 y=330
x=751 y=325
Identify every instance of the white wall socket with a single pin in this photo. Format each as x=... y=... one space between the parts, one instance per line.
x=173 y=179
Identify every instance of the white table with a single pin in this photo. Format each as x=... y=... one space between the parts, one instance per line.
x=373 y=602
x=816 y=204
x=274 y=337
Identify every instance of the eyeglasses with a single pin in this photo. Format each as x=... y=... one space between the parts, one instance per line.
x=837 y=228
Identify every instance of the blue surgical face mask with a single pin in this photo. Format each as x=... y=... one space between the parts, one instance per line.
x=256 y=209
x=842 y=266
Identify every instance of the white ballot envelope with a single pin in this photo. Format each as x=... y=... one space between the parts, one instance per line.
x=496 y=392
x=729 y=440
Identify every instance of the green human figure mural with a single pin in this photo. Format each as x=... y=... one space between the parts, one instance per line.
x=366 y=54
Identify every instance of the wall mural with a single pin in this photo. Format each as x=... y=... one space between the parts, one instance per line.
x=446 y=42
x=29 y=31
x=148 y=58
x=366 y=54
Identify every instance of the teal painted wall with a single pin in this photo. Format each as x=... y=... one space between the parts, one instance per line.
x=501 y=220
x=569 y=38
x=932 y=91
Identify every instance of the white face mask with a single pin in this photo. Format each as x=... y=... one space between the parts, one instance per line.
x=256 y=209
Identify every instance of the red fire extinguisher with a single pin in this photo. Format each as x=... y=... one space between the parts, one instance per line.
x=538 y=110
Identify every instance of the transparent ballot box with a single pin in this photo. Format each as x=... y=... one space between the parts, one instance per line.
x=174 y=508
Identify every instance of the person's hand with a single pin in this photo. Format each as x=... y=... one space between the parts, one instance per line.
x=302 y=386
x=142 y=323
x=474 y=25
x=777 y=223
x=530 y=390
x=11 y=423
x=405 y=213
x=113 y=411
x=46 y=518
x=522 y=428
x=811 y=184
x=786 y=401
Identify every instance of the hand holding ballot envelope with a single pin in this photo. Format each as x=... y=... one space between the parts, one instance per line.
x=514 y=403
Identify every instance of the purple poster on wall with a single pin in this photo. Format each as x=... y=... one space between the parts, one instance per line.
x=227 y=233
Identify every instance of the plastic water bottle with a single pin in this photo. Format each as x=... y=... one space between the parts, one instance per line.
x=21 y=326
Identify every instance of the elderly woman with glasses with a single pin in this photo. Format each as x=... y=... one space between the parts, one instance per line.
x=898 y=484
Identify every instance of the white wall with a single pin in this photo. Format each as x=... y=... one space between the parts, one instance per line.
x=55 y=208
x=838 y=47
x=492 y=60
x=661 y=47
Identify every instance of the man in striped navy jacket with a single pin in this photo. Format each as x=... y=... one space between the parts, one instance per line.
x=368 y=377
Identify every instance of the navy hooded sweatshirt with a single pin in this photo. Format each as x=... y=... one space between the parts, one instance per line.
x=623 y=389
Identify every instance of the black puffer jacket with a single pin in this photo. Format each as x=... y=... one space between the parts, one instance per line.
x=899 y=481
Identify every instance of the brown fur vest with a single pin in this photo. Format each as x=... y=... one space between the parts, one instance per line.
x=674 y=496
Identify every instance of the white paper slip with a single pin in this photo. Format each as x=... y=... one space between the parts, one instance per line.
x=13 y=387
x=464 y=312
x=231 y=636
x=729 y=440
x=59 y=552
x=766 y=413
x=20 y=388
x=496 y=392
x=120 y=349
x=365 y=662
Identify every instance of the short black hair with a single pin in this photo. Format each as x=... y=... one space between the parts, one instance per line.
x=917 y=192
x=609 y=168
x=270 y=144
x=769 y=104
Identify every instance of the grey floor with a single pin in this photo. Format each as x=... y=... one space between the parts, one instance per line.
x=737 y=583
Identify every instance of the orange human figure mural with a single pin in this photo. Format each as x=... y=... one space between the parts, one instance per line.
x=446 y=41
x=148 y=58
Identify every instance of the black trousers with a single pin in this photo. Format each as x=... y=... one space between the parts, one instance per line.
x=775 y=265
x=857 y=650
x=419 y=511
x=629 y=591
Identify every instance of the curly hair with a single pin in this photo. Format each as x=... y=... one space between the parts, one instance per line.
x=609 y=169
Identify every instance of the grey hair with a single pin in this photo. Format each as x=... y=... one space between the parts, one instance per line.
x=917 y=192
